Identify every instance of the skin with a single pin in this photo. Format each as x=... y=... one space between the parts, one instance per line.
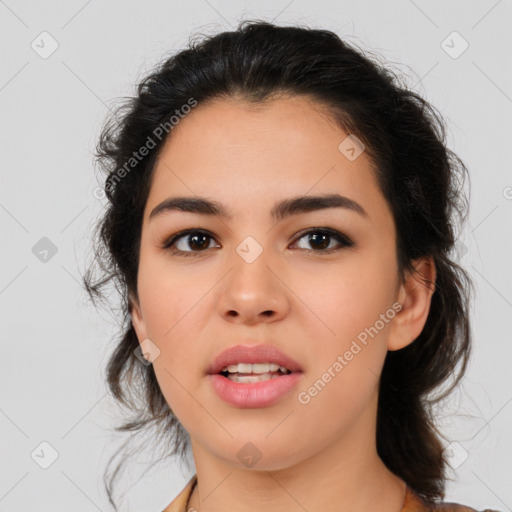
x=316 y=456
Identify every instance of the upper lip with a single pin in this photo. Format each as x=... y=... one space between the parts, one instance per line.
x=253 y=354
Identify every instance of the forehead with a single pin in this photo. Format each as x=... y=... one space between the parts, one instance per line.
x=246 y=155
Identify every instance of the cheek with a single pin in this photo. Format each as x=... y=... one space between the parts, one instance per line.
x=349 y=334
x=168 y=295
x=350 y=351
x=344 y=301
x=174 y=317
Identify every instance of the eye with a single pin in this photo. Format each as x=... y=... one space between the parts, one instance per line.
x=319 y=238
x=191 y=238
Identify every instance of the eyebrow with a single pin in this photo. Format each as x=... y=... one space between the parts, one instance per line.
x=280 y=211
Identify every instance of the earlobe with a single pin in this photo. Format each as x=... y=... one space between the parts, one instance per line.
x=415 y=296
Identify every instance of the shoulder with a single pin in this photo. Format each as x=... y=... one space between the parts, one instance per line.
x=457 y=507
x=414 y=503
x=179 y=504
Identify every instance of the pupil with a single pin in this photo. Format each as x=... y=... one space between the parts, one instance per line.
x=195 y=237
x=314 y=237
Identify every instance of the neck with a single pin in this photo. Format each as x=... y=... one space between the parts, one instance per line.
x=344 y=476
x=390 y=496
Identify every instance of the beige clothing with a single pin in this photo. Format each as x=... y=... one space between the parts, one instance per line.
x=412 y=503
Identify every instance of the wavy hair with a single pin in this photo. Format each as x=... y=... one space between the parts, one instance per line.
x=421 y=179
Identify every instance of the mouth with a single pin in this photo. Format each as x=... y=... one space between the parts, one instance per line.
x=243 y=390
x=257 y=372
x=252 y=376
x=249 y=362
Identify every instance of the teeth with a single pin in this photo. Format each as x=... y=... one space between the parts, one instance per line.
x=259 y=368
x=251 y=378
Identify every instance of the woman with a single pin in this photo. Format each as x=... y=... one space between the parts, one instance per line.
x=281 y=223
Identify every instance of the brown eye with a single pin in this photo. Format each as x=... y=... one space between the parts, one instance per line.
x=320 y=240
x=191 y=242
x=199 y=241
x=188 y=242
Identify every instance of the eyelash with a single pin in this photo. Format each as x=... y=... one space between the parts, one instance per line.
x=345 y=242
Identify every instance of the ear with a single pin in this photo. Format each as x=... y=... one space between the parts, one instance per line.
x=137 y=319
x=414 y=295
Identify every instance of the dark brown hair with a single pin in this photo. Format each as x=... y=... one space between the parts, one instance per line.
x=419 y=176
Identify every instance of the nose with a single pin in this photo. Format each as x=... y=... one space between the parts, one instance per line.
x=253 y=292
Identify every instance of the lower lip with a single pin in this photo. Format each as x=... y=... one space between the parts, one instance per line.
x=254 y=394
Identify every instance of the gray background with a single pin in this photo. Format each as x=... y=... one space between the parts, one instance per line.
x=55 y=344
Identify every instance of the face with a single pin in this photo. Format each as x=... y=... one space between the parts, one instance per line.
x=252 y=278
